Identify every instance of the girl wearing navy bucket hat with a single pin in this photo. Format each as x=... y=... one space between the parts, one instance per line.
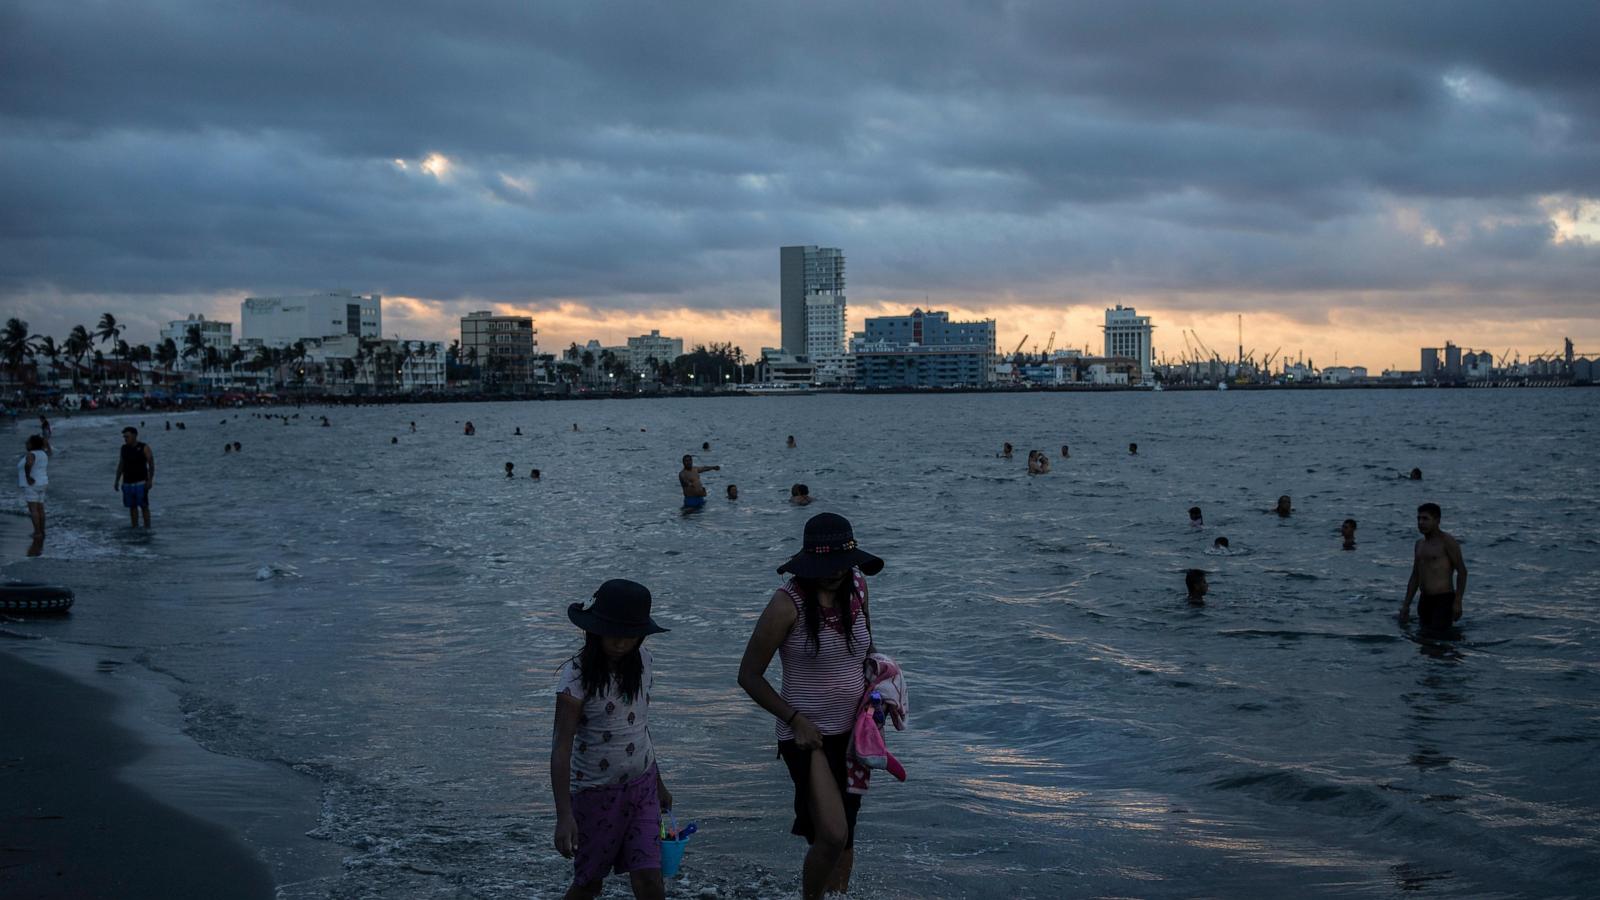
x=818 y=624
x=608 y=790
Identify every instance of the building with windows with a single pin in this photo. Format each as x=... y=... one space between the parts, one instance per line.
x=503 y=348
x=786 y=369
x=828 y=338
x=924 y=349
x=213 y=335
x=281 y=321
x=650 y=346
x=1131 y=335
x=804 y=273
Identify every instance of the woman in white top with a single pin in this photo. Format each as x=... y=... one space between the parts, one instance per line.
x=33 y=474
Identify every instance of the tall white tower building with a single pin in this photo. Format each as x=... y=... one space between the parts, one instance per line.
x=1129 y=334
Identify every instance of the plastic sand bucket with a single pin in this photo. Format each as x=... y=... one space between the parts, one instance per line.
x=672 y=856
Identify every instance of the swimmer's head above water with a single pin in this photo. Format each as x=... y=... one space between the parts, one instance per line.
x=1195 y=518
x=1284 y=507
x=1195 y=581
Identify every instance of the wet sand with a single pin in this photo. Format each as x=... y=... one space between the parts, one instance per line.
x=70 y=827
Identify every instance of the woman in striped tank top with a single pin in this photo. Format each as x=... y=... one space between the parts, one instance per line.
x=818 y=624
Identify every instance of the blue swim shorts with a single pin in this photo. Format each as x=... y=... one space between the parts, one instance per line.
x=134 y=496
x=693 y=502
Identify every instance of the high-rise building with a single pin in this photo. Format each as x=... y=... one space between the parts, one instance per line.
x=828 y=337
x=503 y=347
x=804 y=273
x=281 y=321
x=1130 y=335
x=925 y=349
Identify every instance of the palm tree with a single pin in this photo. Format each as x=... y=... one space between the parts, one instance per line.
x=167 y=354
x=48 y=349
x=235 y=357
x=109 y=332
x=16 y=345
x=194 y=343
x=212 y=360
x=140 y=353
x=77 y=346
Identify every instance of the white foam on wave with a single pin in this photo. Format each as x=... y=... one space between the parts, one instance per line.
x=269 y=571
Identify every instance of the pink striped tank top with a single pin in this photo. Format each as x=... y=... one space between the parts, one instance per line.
x=825 y=683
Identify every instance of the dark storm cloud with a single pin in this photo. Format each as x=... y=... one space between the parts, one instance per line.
x=661 y=152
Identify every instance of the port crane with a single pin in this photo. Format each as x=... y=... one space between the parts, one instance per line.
x=1050 y=344
x=1019 y=345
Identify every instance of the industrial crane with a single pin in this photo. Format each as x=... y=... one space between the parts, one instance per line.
x=1050 y=344
x=1266 y=364
x=1019 y=345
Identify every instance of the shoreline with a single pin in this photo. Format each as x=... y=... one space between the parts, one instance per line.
x=73 y=827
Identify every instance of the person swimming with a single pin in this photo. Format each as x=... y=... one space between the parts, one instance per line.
x=1416 y=474
x=1220 y=545
x=1195 y=581
x=800 y=495
x=1284 y=508
x=705 y=445
x=1005 y=450
x=509 y=470
x=1065 y=453
x=469 y=429
x=791 y=443
x=394 y=440
x=1133 y=449
x=694 y=493
x=533 y=474
x=733 y=492
x=518 y=432
x=1347 y=530
x=1196 y=520
x=227 y=448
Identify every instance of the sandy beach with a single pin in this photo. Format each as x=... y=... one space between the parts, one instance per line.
x=71 y=827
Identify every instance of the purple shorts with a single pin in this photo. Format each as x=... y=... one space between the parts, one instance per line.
x=619 y=828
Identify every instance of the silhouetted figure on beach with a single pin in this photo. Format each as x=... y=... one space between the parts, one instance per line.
x=1284 y=508
x=1195 y=581
x=1438 y=570
x=136 y=476
x=1347 y=530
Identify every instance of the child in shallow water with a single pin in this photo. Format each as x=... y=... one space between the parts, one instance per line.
x=608 y=791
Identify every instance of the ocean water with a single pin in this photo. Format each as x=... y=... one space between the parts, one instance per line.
x=387 y=620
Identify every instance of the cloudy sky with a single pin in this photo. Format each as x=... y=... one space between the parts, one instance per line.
x=1355 y=178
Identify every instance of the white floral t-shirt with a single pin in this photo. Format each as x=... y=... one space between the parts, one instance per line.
x=612 y=743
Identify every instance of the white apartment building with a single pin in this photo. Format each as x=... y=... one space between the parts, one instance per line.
x=383 y=366
x=214 y=334
x=1130 y=334
x=643 y=348
x=828 y=338
x=281 y=321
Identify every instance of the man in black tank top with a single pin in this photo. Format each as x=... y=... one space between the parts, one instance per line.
x=136 y=475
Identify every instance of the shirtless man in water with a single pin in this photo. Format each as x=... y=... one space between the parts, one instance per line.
x=694 y=493
x=1438 y=557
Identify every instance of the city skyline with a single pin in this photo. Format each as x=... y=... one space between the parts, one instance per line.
x=1356 y=186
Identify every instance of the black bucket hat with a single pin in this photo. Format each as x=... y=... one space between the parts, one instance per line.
x=621 y=608
x=830 y=547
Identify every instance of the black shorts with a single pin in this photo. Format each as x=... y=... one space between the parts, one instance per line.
x=1437 y=612
x=799 y=763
